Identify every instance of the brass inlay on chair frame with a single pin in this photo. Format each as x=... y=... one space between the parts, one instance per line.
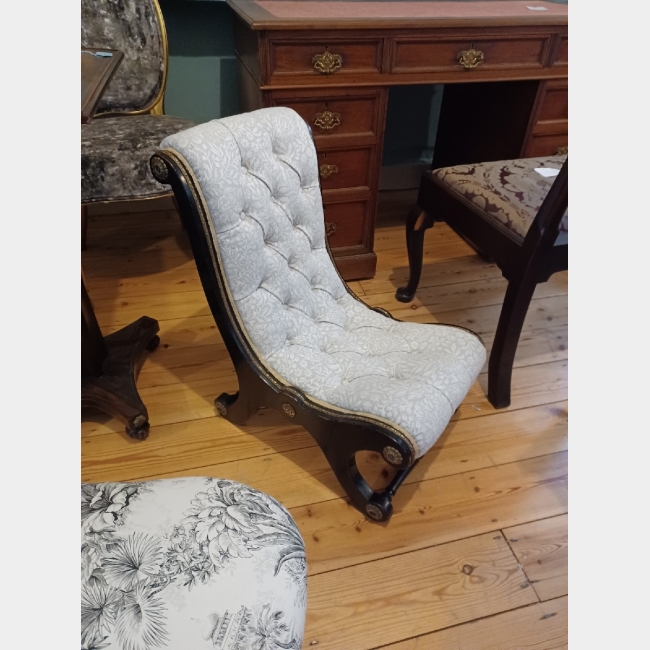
x=289 y=410
x=327 y=120
x=470 y=58
x=327 y=63
x=392 y=456
x=329 y=228
x=562 y=151
x=327 y=170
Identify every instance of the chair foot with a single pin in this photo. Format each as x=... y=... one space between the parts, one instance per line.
x=234 y=408
x=403 y=295
x=379 y=507
x=417 y=223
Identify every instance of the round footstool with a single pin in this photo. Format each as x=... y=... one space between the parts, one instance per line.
x=189 y=563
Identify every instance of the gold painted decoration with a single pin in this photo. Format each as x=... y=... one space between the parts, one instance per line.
x=329 y=228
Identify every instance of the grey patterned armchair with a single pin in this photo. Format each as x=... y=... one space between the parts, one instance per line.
x=189 y=563
x=248 y=191
x=117 y=144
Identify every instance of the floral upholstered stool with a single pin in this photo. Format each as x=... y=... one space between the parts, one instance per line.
x=189 y=563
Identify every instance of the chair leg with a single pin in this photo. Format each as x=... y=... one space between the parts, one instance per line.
x=506 y=339
x=235 y=408
x=84 y=226
x=417 y=223
x=180 y=214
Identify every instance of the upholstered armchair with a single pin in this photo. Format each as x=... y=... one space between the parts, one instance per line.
x=189 y=563
x=248 y=191
x=117 y=144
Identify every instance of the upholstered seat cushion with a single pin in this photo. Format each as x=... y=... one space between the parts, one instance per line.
x=508 y=193
x=258 y=174
x=189 y=563
x=115 y=153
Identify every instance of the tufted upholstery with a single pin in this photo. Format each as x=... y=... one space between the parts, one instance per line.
x=189 y=563
x=508 y=193
x=258 y=174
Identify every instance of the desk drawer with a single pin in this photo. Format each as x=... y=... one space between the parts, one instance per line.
x=330 y=117
x=446 y=54
x=325 y=57
x=346 y=223
x=344 y=168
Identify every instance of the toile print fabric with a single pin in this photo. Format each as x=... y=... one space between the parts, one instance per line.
x=508 y=193
x=115 y=153
x=131 y=26
x=258 y=174
x=189 y=564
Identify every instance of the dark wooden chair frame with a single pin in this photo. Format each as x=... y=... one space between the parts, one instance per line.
x=338 y=432
x=523 y=263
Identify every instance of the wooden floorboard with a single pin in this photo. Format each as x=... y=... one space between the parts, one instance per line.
x=490 y=495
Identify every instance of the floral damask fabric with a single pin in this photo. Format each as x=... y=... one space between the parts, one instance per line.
x=132 y=27
x=189 y=563
x=115 y=153
x=508 y=193
x=258 y=174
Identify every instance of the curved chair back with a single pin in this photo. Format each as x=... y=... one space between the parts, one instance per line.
x=136 y=28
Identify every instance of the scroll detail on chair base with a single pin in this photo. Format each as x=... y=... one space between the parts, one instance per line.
x=338 y=436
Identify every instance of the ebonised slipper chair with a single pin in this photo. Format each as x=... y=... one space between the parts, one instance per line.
x=248 y=190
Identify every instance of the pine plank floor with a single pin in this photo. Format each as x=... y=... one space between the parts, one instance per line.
x=475 y=556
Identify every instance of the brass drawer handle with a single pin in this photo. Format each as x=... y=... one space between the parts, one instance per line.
x=327 y=170
x=327 y=120
x=329 y=228
x=327 y=63
x=470 y=58
x=562 y=151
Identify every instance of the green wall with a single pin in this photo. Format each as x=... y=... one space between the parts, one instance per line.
x=202 y=73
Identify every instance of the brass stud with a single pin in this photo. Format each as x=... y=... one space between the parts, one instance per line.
x=289 y=410
x=392 y=456
x=374 y=512
x=159 y=169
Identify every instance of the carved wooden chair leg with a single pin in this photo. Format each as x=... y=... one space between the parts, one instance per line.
x=417 y=223
x=502 y=356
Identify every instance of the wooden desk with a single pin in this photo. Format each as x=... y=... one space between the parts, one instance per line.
x=333 y=62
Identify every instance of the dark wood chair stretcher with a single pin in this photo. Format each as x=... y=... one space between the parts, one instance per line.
x=525 y=259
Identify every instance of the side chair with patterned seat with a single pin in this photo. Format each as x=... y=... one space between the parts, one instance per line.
x=511 y=214
x=301 y=342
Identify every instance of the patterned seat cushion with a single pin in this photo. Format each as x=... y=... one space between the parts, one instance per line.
x=189 y=563
x=508 y=193
x=115 y=153
x=258 y=174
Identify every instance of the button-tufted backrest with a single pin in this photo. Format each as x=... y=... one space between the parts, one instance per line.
x=259 y=176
